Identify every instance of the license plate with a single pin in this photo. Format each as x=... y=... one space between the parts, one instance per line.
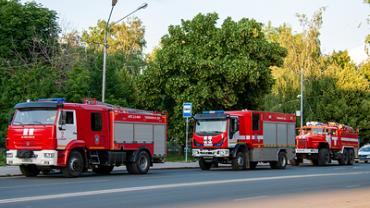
x=27 y=160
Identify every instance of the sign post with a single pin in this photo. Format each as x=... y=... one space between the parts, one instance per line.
x=186 y=113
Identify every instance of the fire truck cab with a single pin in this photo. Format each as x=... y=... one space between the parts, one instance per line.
x=323 y=142
x=53 y=134
x=243 y=138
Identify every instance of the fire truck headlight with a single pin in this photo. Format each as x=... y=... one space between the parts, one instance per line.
x=224 y=152
x=49 y=155
x=9 y=155
x=195 y=151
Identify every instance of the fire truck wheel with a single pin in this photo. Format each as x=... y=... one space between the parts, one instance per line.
x=141 y=165
x=29 y=170
x=103 y=169
x=295 y=161
x=324 y=157
x=315 y=162
x=281 y=163
x=344 y=159
x=74 y=166
x=253 y=165
x=46 y=172
x=239 y=162
x=130 y=169
x=204 y=165
x=351 y=157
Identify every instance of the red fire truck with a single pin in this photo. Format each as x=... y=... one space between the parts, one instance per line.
x=243 y=138
x=323 y=142
x=53 y=134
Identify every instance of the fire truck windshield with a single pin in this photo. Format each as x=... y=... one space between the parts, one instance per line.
x=210 y=127
x=34 y=116
x=312 y=131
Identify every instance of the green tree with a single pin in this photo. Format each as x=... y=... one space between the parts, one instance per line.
x=213 y=67
x=335 y=89
x=26 y=29
x=28 y=43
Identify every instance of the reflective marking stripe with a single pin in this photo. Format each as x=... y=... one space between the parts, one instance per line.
x=30 y=132
x=25 y=132
x=349 y=139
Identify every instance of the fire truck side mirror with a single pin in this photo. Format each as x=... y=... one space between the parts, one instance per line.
x=62 y=120
x=11 y=118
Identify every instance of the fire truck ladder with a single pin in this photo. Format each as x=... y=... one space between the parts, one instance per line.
x=94 y=158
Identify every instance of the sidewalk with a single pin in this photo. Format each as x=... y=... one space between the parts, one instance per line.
x=14 y=170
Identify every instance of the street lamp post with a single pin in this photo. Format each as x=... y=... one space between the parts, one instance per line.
x=302 y=85
x=105 y=42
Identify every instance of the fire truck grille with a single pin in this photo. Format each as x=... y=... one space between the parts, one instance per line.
x=302 y=143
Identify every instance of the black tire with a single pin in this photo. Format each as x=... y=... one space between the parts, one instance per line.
x=315 y=162
x=204 y=165
x=365 y=161
x=130 y=169
x=240 y=161
x=141 y=164
x=75 y=165
x=295 y=161
x=281 y=163
x=46 y=172
x=29 y=170
x=324 y=157
x=344 y=159
x=253 y=165
x=351 y=157
x=103 y=169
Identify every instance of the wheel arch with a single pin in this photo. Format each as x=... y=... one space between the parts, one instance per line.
x=238 y=148
x=135 y=153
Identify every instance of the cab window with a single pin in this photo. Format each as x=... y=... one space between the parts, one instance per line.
x=96 y=122
x=255 y=122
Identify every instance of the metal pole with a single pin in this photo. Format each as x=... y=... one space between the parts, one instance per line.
x=302 y=97
x=105 y=50
x=186 y=142
x=105 y=55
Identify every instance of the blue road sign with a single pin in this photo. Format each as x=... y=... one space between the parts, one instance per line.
x=186 y=110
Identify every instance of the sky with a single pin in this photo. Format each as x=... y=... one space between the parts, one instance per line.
x=345 y=22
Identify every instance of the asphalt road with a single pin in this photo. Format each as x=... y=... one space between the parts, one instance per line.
x=178 y=188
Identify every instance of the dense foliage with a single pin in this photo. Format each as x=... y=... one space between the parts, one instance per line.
x=335 y=89
x=213 y=67
x=232 y=65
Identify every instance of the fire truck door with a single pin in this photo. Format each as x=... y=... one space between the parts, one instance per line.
x=66 y=128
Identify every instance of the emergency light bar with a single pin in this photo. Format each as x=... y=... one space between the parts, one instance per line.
x=214 y=112
x=59 y=100
x=314 y=123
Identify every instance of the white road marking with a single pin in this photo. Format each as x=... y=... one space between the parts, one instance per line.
x=51 y=184
x=166 y=186
x=352 y=186
x=251 y=198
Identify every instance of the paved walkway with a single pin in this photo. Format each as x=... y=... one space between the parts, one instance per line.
x=14 y=170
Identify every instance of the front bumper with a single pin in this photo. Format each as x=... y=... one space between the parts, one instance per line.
x=211 y=153
x=40 y=158
x=307 y=151
x=363 y=158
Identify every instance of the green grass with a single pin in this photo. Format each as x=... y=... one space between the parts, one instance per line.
x=175 y=157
